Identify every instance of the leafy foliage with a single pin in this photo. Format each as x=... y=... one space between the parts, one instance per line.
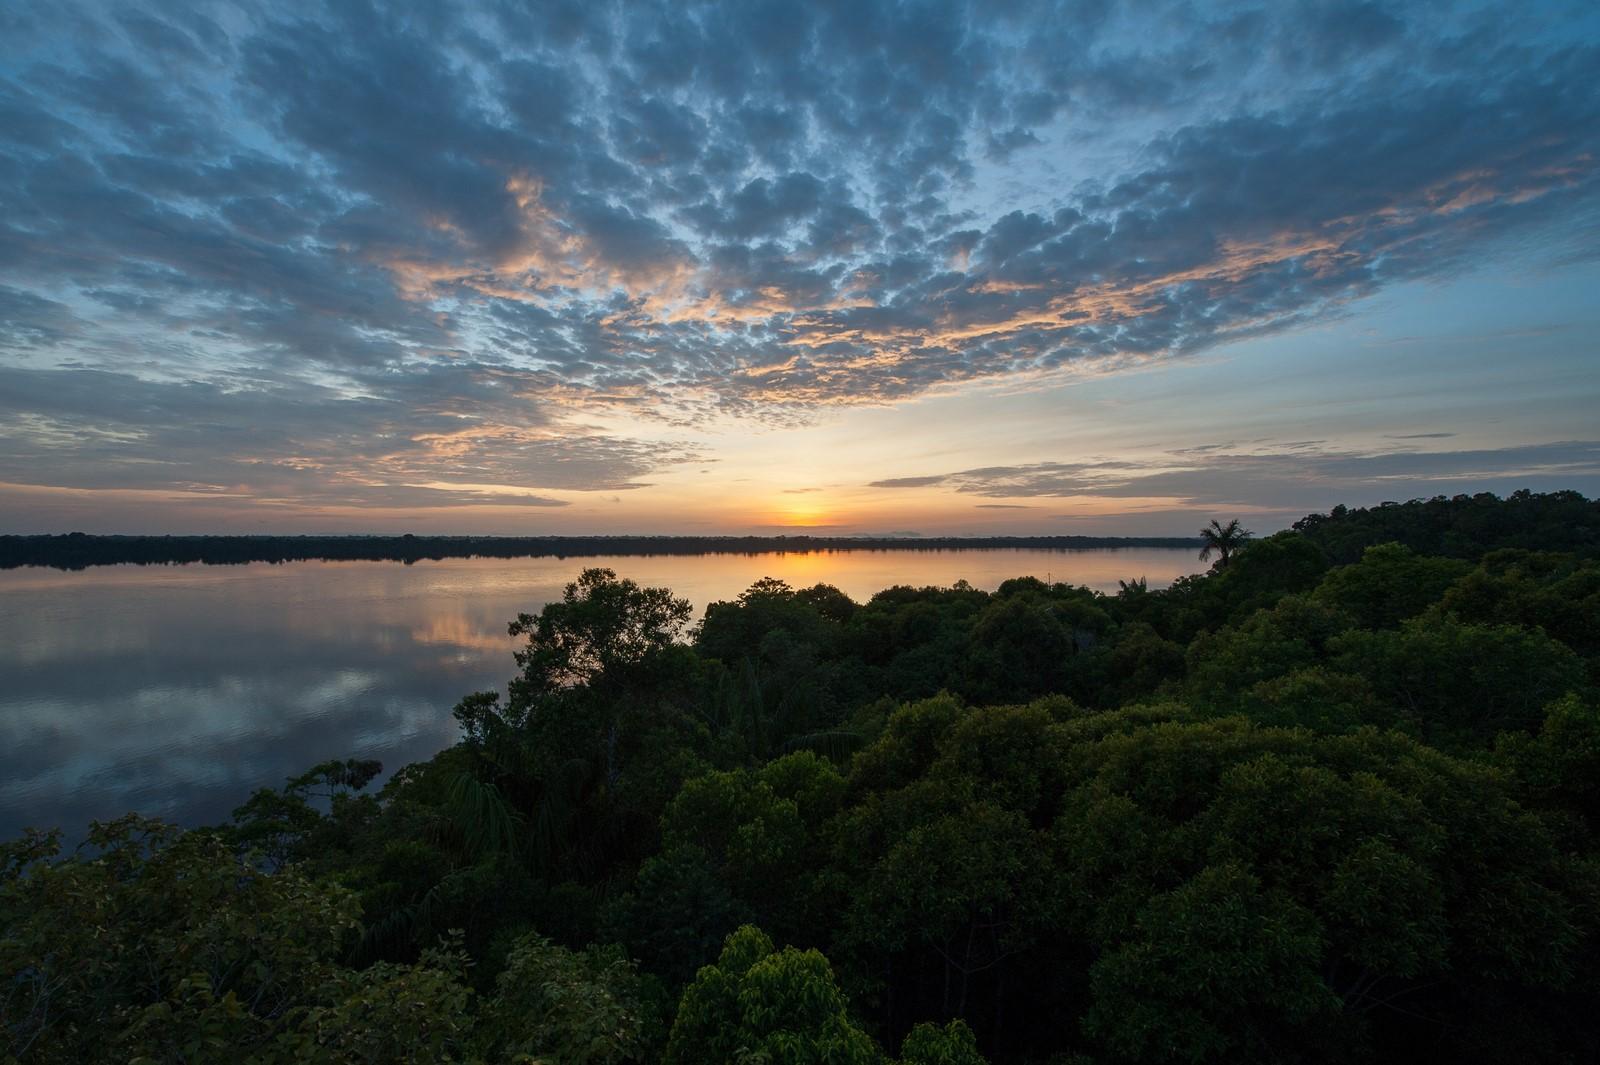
x=1335 y=800
x=758 y=1004
x=155 y=944
x=1222 y=540
x=1461 y=526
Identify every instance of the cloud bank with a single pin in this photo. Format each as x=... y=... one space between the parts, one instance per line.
x=1268 y=475
x=408 y=256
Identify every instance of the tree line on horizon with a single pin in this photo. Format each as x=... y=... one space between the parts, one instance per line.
x=1336 y=799
x=77 y=550
x=1455 y=526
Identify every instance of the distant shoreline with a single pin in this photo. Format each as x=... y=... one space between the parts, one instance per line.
x=74 y=551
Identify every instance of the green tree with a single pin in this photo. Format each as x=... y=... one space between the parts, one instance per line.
x=602 y=629
x=153 y=943
x=606 y=641
x=1558 y=769
x=737 y=847
x=1215 y=970
x=1136 y=663
x=929 y=1044
x=1294 y=634
x=1315 y=698
x=1223 y=541
x=577 y=1008
x=1250 y=890
x=786 y=686
x=1555 y=592
x=284 y=825
x=758 y=1004
x=943 y=862
x=1018 y=649
x=1390 y=584
x=1456 y=684
x=402 y=1014
x=598 y=729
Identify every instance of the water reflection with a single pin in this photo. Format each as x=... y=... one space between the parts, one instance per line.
x=175 y=691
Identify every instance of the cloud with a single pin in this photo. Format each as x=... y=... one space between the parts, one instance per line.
x=451 y=436
x=909 y=482
x=703 y=210
x=1292 y=476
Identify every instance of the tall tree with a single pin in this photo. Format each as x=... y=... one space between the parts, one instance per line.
x=760 y=1004
x=1224 y=540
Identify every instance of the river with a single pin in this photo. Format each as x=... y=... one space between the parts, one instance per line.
x=175 y=691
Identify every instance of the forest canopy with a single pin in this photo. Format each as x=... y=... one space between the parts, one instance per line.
x=1335 y=800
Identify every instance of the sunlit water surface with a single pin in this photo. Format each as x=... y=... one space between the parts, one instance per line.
x=175 y=691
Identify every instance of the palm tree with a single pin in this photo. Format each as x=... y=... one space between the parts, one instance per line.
x=1224 y=540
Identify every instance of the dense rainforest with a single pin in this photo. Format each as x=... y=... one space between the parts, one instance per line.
x=1335 y=800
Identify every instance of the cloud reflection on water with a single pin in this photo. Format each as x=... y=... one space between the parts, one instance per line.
x=175 y=691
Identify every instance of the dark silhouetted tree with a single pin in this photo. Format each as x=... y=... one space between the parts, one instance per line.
x=1223 y=540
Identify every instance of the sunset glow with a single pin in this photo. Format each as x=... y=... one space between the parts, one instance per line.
x=683 y=269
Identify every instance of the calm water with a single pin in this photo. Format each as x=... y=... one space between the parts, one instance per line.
x=177 y=690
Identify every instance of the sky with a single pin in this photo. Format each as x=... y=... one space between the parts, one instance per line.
x=838 y=267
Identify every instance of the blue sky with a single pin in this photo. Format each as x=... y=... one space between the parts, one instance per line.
x=859 y=267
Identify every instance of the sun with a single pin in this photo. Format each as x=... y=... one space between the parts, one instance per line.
x=808 y=513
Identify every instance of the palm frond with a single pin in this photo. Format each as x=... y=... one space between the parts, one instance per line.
x=487 y=823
